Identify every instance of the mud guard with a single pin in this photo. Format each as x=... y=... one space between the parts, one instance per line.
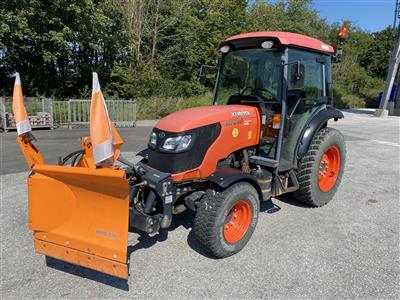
x=226 y=176
x=313 y=126
x=79 y=215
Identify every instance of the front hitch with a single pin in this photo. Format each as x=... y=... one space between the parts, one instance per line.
x=161 y=186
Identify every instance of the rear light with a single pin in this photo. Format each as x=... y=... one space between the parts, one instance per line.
x=276 y=123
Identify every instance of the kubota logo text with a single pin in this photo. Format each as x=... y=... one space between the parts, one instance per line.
x=240 y=113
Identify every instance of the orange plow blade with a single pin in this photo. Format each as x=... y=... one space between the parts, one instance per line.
x=81 y=215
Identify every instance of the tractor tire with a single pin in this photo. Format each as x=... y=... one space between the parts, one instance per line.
x=321 y=168
x=225 y=220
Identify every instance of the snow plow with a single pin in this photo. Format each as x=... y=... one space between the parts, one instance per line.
x=78 y=213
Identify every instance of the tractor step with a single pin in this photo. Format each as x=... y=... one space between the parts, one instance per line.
x=264 y=180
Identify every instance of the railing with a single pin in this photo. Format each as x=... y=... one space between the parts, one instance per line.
x=39 y=110
x=60 y=113
x=121 y=112
x=74 y=112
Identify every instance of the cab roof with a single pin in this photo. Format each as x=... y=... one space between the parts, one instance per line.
x=286 y=38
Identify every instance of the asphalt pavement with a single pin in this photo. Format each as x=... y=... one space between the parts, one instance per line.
x=346 y=249
x=60 y=142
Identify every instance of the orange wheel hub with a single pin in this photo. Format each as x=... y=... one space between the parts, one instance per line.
x=237 y=221
x=329 y=167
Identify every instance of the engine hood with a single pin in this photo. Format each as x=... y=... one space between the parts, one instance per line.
x=204 y=115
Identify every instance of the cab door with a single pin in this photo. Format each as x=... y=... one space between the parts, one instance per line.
x=306 y=91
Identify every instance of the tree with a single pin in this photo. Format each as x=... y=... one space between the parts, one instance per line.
x=376 y=58
x=292 y=15
x=144 y=48
x=55 y=45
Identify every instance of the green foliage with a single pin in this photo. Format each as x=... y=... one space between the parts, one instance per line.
x=127 y=82
x=293 y=16
x=376 y=57
x=55 y=45
x=158 y=107
x=151 y=50
x=356 y=84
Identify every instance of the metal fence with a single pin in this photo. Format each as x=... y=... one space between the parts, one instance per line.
x=39 y=110
x=74 y=112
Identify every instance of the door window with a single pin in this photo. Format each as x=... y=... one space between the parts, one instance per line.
x=305 y=89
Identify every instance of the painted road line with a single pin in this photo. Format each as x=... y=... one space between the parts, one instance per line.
x=350 y=139
x=385 y=143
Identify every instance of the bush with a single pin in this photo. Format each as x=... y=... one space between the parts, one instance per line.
x=159 y=107
x=353 y=101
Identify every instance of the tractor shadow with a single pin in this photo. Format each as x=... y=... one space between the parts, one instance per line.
x=90 y=274
x=291 y=200
x=185 y=220
x=145 y=241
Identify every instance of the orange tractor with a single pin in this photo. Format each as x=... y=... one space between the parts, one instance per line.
x=266 y=134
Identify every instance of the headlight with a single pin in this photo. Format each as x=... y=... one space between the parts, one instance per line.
x=153 y=140
x=177 y=143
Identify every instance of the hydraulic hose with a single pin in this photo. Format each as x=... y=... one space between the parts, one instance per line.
x=132 y=193
x=150 y=202
x=75 y=158
x=67 y=157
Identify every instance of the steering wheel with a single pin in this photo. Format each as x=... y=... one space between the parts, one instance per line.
x=246 y=88
x=263 y=90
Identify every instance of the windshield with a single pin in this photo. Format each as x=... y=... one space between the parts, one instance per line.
x=250 y=72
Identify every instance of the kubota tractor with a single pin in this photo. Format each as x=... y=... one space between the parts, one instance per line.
x=265 y=134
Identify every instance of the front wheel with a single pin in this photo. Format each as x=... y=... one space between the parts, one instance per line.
x=321 y=169
x=225 y=220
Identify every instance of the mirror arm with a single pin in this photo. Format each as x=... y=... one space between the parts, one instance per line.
x=298 y=71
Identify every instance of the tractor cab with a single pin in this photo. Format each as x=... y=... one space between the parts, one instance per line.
x=287 y=75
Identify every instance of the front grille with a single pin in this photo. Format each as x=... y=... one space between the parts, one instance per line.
x=174 y=163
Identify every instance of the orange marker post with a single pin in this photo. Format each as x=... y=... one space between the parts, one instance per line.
x=104 y=136
x=18 y=106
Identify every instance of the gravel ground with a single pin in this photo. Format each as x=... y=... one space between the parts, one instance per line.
x=347 y=249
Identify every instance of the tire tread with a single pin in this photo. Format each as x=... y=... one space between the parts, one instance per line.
x=204 y=226
x=305 y=172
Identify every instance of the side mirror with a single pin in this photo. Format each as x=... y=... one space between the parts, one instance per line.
x=297 y=75
x=203 y=75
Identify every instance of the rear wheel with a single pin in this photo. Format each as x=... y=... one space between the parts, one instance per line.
x=321 y=169
x=225 y=220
